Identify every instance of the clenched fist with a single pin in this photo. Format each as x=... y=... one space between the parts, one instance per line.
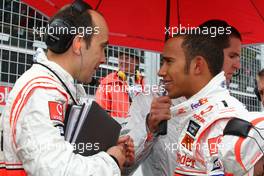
x=159 y=111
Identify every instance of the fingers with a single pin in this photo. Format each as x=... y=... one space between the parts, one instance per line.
x=160 y=114
x=163 y=99
x=126 y=142
x=122 y=149
x=161 y=106
x=123 y=139
x=130 y=148
x=161 y=103
x=160 y=110
x=130 y=151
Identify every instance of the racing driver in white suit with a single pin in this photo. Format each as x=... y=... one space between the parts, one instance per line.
x=33 y=142
x=192 y=68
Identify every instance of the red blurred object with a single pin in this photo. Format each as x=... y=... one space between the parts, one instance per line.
x=4 y=92
x=141 y=23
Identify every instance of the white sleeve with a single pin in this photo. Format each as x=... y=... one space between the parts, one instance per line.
x=239 y=154
x=44 y=152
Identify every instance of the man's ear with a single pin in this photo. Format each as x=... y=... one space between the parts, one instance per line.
x=198 y=65
x=76 y=45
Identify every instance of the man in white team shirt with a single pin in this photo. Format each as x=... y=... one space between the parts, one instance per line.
x=191 y=68
x=32 y=142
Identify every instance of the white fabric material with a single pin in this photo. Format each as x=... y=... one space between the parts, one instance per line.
x=209 y=109
x=249 y=150
x=38 y=144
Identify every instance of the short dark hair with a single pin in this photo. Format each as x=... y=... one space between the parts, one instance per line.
x=222 y=39
x=205 y=46
x=67 y=13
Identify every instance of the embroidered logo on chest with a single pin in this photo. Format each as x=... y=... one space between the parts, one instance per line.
x=193 y=128
x=185 y=160
x=199 y=116
x=213 y=144
x=199 y=103
x=187 y=142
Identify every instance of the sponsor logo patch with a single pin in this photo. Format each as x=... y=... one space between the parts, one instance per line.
x=187 y=142
x=200 y=103
x=185 y=160
x=193 y=128
x=56 y=111
x=213 y=144
x=217 y=165
x=199 y=116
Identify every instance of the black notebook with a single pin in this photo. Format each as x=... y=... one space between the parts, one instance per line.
x=90 y=129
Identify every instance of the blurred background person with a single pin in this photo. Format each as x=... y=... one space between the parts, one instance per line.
x=117 y=89
x=232 y=46
x=259 y=87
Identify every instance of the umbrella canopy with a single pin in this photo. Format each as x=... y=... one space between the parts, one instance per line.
x=143 y=23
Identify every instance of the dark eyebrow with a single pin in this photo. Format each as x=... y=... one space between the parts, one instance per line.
x=235 y=53
x=167 y=58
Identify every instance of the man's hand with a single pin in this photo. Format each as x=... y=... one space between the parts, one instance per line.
x=159 y=111
x=128 y=144
x=124 y=152
x=119 y=153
